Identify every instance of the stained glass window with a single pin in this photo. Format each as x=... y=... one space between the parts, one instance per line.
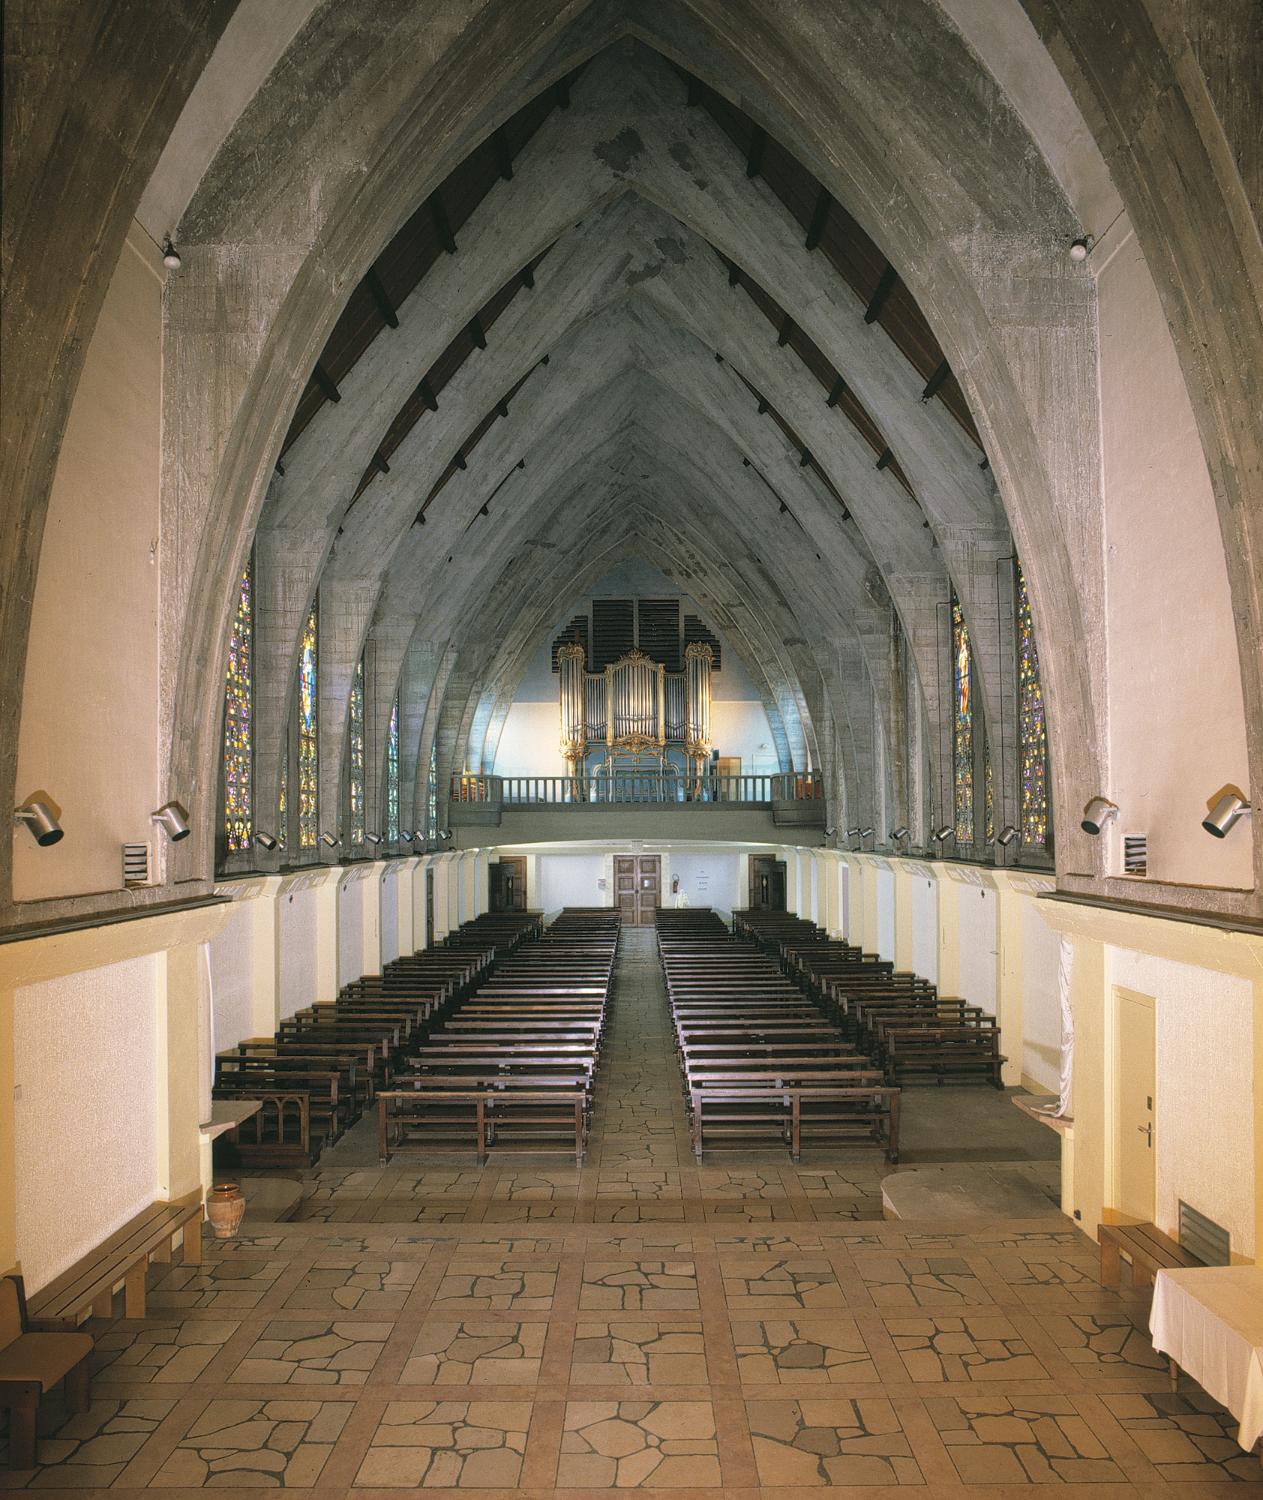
x=1032 y=730
x=962 y=727
x=392 y=776
x=282 y=802
x=432 y=794
x=308 y=740
x=355 y=754
x=239 y=721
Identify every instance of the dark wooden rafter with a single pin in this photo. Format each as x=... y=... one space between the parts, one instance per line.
x=819 y=219
x=504 y=156
x=442 y=224
x=806 y=459
x=785 y=332
x=881 y=294
x=934 y=383
x=477 y=333
x=384 y=305
x=326 y=383
x=754 y=154
x=836 y=392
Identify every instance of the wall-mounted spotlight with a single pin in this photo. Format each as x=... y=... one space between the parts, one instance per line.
x=265 y=841
x=899 y=834
x=1097 y=814
x=38 y=817
x=372 y=838
x=829 y=832
x=445 y=833
x=852 y=832
x=1079 y=248
x=867 y=833
x=170 y=255
x=173 y=819
x=1006 y=836
x=941 y=835
x=1226 y=813
x=330 y=840
x=404 y=836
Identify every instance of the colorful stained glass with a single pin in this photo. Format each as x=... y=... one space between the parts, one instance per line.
x=962 y=727
x=239 y=721
x=355 y=754
x=392 y=776
x=282 y=801
x=988 y=783
x=308 y=736
x=432 y=794
x=1032 y=729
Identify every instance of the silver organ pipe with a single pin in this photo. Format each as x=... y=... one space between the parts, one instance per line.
x=635 y=704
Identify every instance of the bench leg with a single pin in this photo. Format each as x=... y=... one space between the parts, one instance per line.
x=103 y=1305
x=134 y=1290
x=795 y=1129
x=1111 y=1264
x=1173 y=1371
x=77 y=1385
x=22 y=1415
x=192 y=1238
x=1140 y=1275
x=161 y=1254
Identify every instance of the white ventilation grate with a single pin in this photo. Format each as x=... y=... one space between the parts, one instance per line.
x=136 y=864
x=1203 y=1238
x=1135 y=854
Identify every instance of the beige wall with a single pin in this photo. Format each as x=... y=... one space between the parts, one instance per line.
x=1176 y=717
x=89 y=731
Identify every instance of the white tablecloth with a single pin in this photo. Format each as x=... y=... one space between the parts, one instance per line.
x=1209 y=1320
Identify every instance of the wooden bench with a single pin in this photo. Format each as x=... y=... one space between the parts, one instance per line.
x=1148 y=1249
x=32 y=1361
x=88 y=1285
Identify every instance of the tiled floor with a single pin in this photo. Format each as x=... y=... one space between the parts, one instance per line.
x=744 y=1328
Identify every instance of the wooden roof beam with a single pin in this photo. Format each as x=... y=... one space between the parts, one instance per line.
x=561 y=93
x=754 y=157
x=819 y=218
x=836 y=394
x=884 y=288
x=786 y=331
x=504 y=157
x=696 y=91
x=442 y=224
x=384 y=305
x=326 y=383
x=426 y=391
x=476 y=332
x=936 y=380
x=379 y=463
x=885 y=459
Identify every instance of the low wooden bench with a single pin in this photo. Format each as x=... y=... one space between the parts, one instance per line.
x=1148 y=1249
x=88 y=1285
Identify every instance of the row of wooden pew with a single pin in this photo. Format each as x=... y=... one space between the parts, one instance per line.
x=898 y=1019
x=760 y=1058
x=513 y=1065
x=328 y=1063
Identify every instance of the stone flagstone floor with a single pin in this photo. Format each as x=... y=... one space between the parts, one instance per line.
x=745 y=1328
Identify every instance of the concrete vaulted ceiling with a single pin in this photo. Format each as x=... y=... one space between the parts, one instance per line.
x=647 y=393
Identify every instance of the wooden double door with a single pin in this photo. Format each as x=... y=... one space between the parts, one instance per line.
x=638 y=887
x=508 y=885
x=767 y=883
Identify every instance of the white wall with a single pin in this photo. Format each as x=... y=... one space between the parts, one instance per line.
x=390 y=915
x=298 y=950
x=351 y=933
x=86 y=1067
x=1041 y=1003
x=232 y=979
x=708 y=880
x=1206 y=1100
x=885 y=914
x=568 y=880
x=924 y=897
x=977 y=916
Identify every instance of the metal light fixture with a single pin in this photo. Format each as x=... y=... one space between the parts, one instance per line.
x=899 y=834
x=330 y=840
x=38 y=817
x=851 y=832
x=170 y=255
x=404 y=837
x=1097 y=814
x=265 y=841
x=1006 y=836
x=1226 y=813
x=1079 y=248
x=173 y=819
x=372 y=838
x=867 y=833
x=941 y=835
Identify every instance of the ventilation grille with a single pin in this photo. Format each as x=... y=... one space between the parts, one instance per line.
x=1135 y=854
x=658 y=631
x=135 y=864
x=576 y=633
x=694 y=630
x=1202 y=1237
x=613 y=631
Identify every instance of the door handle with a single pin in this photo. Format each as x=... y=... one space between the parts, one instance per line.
x=1147 y=1132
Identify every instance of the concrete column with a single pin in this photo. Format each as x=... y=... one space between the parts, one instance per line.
x=832 y=917
x=405 y=872
x=327 y=934
x=182 y=1007
x=948 y=932
x=1011 y=896
x=264 y=914
x=420 y=936
x=791 y=879
x=903 y=877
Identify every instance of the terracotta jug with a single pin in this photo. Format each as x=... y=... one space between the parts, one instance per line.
x=224 y=1208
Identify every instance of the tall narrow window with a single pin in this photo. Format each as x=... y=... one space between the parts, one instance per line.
x=962 y=727
x=308 y=740
x=1032 y=730
x=239 y=721
x=432 y=794
x=392 y=775
x=282 y=801
x=355 y=754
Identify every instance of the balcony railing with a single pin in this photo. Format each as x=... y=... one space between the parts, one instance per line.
x=636 y=788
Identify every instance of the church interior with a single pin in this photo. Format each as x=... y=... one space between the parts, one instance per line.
x=632 y=688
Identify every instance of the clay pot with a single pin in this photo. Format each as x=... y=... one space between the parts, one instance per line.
x=224 y=1208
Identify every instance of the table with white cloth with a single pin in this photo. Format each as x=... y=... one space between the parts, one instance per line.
x=1209 y=1321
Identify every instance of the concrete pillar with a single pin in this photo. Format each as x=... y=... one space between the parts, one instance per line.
x=830 y=918
x=948 y=932
x=182 y=1014
x=405 y=872
x=326 y=893
x=420 y=935
x=903 y=877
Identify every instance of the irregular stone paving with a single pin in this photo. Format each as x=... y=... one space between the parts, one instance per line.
x=642 y=1323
